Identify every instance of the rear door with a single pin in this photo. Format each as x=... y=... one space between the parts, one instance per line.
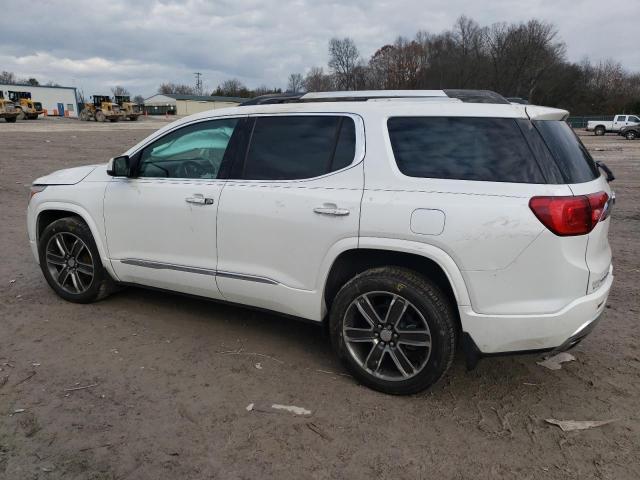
x=293 y=197
x=619 y=121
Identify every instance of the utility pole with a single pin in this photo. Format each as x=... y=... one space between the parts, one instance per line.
x=198 y=83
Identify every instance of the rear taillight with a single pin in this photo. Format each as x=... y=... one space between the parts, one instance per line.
x=576 y=215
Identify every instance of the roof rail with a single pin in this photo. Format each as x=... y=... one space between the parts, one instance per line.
x=467 y=96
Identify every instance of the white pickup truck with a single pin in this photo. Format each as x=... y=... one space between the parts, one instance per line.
x=600 y=127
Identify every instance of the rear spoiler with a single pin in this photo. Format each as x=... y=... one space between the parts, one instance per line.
x=545 y=113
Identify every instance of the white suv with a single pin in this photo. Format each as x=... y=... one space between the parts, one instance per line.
x=410 y=222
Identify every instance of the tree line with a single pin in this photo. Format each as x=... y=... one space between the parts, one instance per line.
x=526 y=60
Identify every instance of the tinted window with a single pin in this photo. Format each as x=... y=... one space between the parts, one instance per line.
x=634 y=119
x=621 y=118
x=572 y=157
x=462 y=148
x=195 y=151
x=294 y=147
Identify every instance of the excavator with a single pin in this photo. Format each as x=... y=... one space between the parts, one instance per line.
x=100 y=109
x=128 y=109
x=8 y=110
x=27 y=108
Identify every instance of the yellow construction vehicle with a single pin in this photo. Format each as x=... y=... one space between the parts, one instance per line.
x=7 y=110
x=128 y=109
x=27 y=108
x=100 y=109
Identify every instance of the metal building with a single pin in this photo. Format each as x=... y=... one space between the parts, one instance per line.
x=176 y=104
x=60 y=101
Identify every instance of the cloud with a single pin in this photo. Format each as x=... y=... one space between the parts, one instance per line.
x=141 y=44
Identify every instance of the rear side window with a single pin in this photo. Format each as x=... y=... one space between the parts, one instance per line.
x=463 y=148
x=575 y=162
x=296 y=147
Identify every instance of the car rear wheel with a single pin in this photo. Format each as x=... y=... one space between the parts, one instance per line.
x=394 y=330
x=599 y=131
x=70 y=262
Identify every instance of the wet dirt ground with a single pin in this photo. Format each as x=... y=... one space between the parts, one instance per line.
x=147 y=385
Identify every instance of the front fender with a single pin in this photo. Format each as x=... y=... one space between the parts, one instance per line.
x=96 y=229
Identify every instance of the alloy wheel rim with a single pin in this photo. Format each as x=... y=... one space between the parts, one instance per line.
x=387 y=336
x=70 y=262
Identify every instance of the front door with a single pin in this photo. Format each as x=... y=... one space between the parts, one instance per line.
x=295 y=197
x=161 y=225
x=61 y=109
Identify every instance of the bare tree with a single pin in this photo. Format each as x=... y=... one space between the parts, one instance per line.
x=175 y=88
x=317 y=81
x=296 y=83
x=7 y=77
x=232 y=88
x=343 y=60
x=138 y=100
x=119 y=90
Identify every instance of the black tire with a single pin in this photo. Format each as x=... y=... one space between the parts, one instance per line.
x=100 y=116
x=630 y=135
x=21 y=114
x=96 y=287
x=427 y=302
x=11 y=119
x=599 y=130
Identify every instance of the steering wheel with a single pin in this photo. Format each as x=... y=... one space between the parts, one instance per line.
x=192 y=169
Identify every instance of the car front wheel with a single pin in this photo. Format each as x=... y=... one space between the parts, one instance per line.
x=394 y=330
x=70 y=261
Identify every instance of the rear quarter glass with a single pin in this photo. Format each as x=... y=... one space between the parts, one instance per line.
x=463 y=148
x=573 y=159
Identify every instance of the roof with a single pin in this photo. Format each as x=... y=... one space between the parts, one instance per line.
x=204 y=98
x=28 y=85
x=467 y=96
x=377 y=109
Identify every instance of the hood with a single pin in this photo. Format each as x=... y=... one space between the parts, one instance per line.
x=68 y=176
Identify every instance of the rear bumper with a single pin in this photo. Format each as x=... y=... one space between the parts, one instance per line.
x=499 y=334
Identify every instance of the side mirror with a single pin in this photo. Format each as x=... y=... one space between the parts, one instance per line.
x=119 y=166
x=603 y=166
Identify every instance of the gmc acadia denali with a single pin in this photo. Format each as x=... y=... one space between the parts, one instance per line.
x=413 y=223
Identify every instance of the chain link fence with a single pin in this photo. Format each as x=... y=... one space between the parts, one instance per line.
x=581 y=122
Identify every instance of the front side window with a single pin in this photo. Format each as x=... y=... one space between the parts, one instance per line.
x=463 y=148
x=634 y=119
x=300 y=146
x=195 y=151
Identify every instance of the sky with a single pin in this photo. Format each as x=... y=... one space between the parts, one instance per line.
x=96 y=44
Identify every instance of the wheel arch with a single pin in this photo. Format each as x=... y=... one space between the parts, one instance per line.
x=49 y=212
x=426 y=259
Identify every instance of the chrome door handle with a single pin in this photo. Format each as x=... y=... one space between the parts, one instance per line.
x=199 y=200
x=331 y=209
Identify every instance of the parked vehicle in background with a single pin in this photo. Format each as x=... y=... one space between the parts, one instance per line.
x=631 y=132
x=412 y=223
x=600 y=127
x=128 y=109
x=27 y=108
x=7 y=110
x=100 y=109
